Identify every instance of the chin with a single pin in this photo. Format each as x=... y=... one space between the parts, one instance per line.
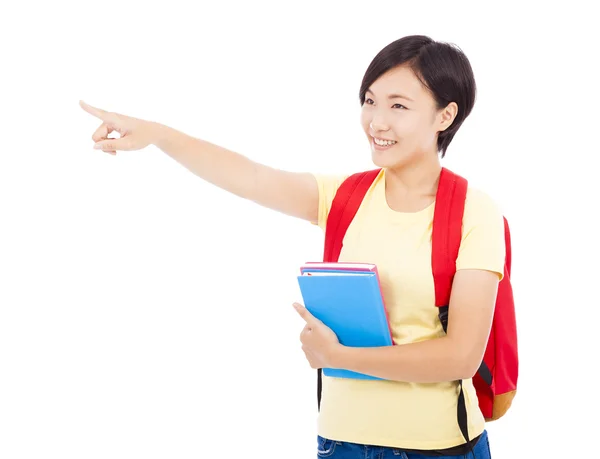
x=385 y=160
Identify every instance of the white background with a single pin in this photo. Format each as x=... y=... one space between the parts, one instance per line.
x=147 y=314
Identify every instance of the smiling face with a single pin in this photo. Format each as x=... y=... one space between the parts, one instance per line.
x=401 y=119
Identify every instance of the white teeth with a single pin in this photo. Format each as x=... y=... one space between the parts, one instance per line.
x=384 y=143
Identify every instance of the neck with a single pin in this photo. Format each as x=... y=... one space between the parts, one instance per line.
x=415 y=179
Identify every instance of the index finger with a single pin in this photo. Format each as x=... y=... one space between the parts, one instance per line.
x=97 y=112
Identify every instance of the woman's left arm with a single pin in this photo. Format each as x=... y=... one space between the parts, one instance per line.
x=457 y=355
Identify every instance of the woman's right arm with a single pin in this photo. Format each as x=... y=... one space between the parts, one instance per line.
x=292 y=193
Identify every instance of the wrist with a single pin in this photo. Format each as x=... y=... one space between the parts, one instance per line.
x=159 y=134
x=338 y=356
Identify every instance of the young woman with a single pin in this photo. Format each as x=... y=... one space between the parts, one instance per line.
x=415 y=95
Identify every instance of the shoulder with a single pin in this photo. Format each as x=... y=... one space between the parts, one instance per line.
x=327 y=184
x=480 y=201
x=328 y=181
x=481 y=209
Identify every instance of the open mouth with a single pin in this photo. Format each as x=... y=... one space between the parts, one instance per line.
x=383 y=143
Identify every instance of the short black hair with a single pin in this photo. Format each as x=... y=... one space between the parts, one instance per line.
x=442 y=68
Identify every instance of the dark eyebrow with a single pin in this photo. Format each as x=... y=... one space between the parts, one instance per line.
x=394 y=96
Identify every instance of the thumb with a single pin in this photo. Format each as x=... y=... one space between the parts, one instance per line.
x=305 y=314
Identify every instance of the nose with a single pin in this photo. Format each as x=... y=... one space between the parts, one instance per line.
x=378 y=123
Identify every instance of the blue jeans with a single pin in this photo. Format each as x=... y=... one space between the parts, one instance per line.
x=344 y=450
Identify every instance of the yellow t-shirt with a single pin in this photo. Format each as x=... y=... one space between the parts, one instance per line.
x=402 y=414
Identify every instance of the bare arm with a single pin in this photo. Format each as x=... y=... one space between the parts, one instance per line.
x=454 y=356
x=291 y=193
x=294 y=194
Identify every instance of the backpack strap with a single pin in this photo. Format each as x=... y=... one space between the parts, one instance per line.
x=446 y=236
x=445 y=243
x=344 y=206
x=447 y=232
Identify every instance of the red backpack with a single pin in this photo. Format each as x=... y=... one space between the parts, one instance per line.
x=496 y=380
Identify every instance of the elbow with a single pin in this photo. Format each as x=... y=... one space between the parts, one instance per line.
x=469 y=370
x=468 y=363
x=462 y=369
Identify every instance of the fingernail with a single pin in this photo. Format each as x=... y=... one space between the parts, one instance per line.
x=97 y=146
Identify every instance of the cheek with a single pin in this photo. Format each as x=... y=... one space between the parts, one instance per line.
x=365 y=121
x=412 y=127
x=405 y=127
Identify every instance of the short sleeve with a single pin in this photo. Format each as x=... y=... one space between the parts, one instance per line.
x=328 y=186
x=483 y=242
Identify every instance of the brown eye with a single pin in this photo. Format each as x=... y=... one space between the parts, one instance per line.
x=398 y=106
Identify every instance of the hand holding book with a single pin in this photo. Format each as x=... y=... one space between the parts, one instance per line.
x=319 y=342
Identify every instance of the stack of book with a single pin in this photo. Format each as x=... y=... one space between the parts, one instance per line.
x=347 y=297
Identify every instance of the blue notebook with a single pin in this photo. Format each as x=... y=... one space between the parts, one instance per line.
x=347 y=298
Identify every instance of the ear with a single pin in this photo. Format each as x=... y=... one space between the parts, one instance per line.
x=446 y=116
